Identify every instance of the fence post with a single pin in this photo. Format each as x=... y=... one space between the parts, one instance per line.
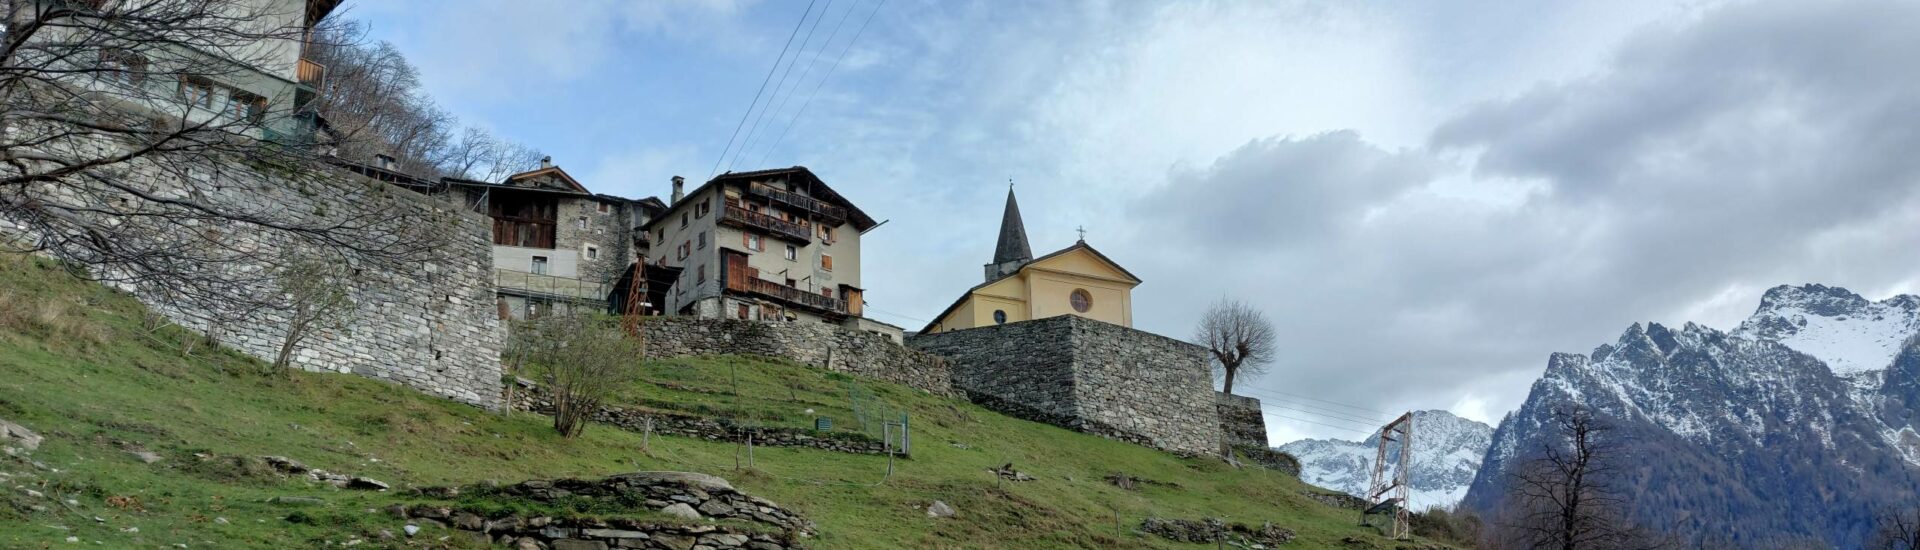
x=906 y=436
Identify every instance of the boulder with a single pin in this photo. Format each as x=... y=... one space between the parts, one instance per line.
x=286 y=465
x=365 y=483
x=690 y=479
x=940 y=510
x=15 y=435
x=681 y=510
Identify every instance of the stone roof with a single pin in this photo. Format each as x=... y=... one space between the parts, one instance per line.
x=1012 y=246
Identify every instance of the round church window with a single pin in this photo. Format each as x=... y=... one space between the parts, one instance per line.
x=1082 y=301
x=999 y=317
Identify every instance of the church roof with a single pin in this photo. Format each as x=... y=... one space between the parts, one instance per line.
x=1012 y=246
x=1081 y=245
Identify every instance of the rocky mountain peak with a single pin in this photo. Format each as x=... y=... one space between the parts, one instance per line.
x=1447 y=451
x=1847 y=332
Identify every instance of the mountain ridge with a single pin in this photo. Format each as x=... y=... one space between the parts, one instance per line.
x=1447 y=452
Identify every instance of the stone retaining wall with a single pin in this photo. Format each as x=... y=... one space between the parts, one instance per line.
x=1240 y=420
x=826 y=346
x=1089 y=376
x=691 y=497
x=713 y=429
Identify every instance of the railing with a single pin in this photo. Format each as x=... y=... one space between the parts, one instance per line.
x=779 y=228
x=310 y=74
x=549 y=286
x=816 y=207
x=786 y=293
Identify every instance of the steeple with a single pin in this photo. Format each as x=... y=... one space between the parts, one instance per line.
x=1012 y=251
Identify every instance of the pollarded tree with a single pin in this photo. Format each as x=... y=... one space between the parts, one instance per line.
x=1239 y=341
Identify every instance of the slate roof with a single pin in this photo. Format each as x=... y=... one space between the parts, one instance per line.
x=1012 y=245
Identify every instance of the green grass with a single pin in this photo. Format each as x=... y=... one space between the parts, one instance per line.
x=78 y=365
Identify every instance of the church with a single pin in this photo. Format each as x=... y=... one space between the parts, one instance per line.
x=1076 y=280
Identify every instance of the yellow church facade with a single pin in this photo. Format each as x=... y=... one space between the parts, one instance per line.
x=1076 y=280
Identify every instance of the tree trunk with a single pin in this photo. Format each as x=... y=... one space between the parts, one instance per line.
x=1233 y=371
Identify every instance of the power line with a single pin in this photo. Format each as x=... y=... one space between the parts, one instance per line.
x=1315 y=409
x=1320 y=424
x=763 y=89
x=751 y=130
x=1356 y=407
x=1367 y=425
x=802 y=81
x=823 y=82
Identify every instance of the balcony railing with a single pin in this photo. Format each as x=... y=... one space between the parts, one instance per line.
x=548 y=286
x=310 y=74
x=817 y=208
x=784 y=293
x=776 y=226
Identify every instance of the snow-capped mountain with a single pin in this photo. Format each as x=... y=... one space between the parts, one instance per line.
x=1446 y=452
x=1797 y=425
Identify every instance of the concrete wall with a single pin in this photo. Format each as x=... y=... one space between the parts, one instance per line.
x=1240 y=420
x=1090 y=376
x=827 y=346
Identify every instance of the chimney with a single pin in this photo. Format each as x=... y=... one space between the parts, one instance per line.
x=546 y=162
x=679 y=189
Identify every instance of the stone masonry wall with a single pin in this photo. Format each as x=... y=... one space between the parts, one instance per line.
x=1240 y=420
x=1090 y=376
x=427 y=322
x=827 y=346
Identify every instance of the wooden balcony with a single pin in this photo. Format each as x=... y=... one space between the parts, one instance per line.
x=813 y=207
x=793 y=231
x=310 y=74
x=789 y=295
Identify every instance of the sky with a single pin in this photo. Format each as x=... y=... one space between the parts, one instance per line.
x=1426 y=197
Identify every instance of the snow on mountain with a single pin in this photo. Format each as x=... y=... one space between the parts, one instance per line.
x=1840 y=328
x=1447 y=451
x=1797 y=425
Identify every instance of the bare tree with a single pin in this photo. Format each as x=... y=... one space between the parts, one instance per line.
x=1239 y=340
x=133 y=146
x=1565 y=497
x=583 y=359
x=1897 y=529
x=316 y=293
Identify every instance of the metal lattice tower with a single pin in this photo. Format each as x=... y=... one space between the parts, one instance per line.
x=1391 y=494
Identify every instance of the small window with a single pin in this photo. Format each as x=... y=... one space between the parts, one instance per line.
x=793 y=284
x=683 y=220
x=793 y=253
x=999 y=317
x=701 y=210
x=1081 y=300
x=826 y=234
x=685 y=250
x=752 y=242
x=603 y=208
x=700 y=274
x=826 y=262
x=582 y=222
x=743 y=311
x=593 y=252
x=828 y=292
x=539 y=265
x=245 y=106
x=197 y=91
x=702 y=239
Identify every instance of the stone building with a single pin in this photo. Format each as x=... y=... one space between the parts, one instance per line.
x=1076 y=280
x=770 y=245
x=556 y=245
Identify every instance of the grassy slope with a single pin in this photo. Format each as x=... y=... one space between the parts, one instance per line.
x=76 y=365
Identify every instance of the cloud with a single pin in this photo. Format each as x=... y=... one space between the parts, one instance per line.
x=1764 y=143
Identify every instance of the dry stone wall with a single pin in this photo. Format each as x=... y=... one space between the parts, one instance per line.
x=1240 y=420
x=425 y=319
x=822 y=345
x=1089 y=376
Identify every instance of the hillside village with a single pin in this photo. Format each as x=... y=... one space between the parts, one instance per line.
x=236 y=314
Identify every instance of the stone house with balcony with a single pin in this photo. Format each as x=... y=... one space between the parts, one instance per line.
x=261 y=88
x=768 y=245
x=558 y=247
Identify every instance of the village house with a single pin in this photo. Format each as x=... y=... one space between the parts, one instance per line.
x=768 y=245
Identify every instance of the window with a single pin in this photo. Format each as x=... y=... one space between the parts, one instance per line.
x=826 y=262
x=828 y=292
x=686 y=249
x=124 y=67
x=683 y=220
x=702 y=239
x=1081 y=300
x=743 y=311
x=582 y=223
x=593 y=252
x=539 y=265
x=826 y=234
x=999 y=317
x=752 y=242
x=246 y=106
x=603 y=208
x=701 y=210
x=197 y=91
x=792 y=253
x=793 y=284
x=700 y=274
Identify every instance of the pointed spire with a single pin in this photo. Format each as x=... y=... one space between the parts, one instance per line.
x=1013 y=234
